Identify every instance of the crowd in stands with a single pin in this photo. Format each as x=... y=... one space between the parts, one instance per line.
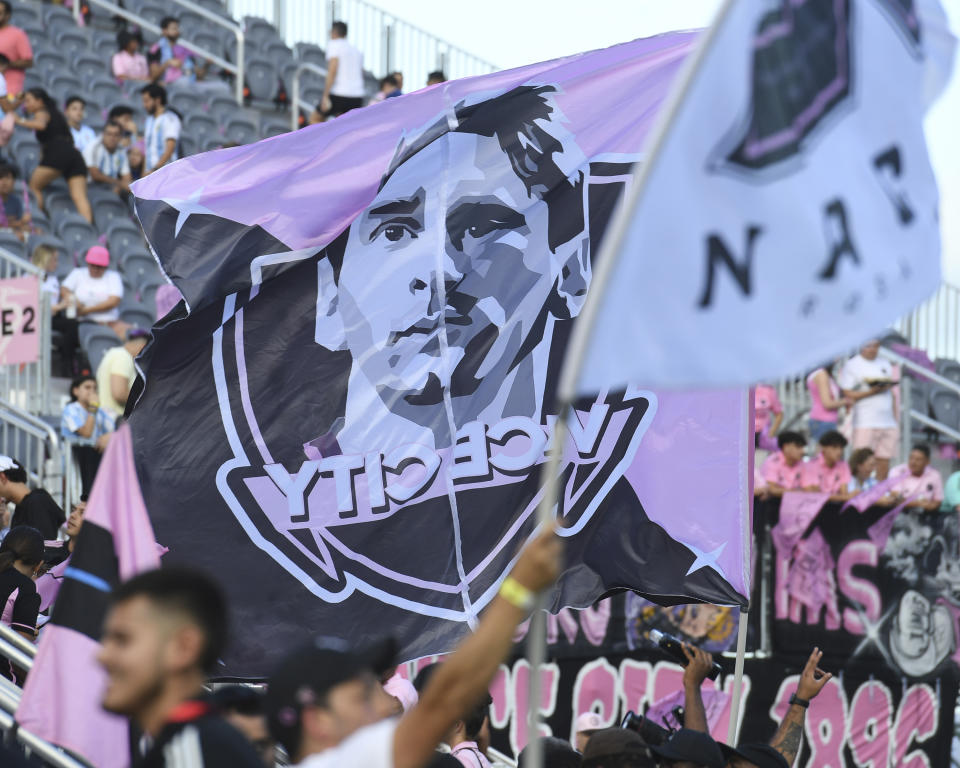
x=866 y=390
x=331 y=704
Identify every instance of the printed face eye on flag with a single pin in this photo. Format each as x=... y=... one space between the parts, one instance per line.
x=351 y=422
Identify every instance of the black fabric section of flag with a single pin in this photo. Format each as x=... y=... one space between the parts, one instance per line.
x=81 y=606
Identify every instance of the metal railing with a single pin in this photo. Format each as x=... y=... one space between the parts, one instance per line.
x=388 y=43
x=909 y=414
x=28 y=384
x=295 y=96
x=48 y=461
x=236 y=69
x=935 y=325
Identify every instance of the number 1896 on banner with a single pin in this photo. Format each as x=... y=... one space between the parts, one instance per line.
x=19 y=321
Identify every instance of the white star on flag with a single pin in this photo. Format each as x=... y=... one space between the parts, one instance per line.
x=187 y=208
x=706 y=559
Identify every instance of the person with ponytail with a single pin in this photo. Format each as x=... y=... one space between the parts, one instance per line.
x=59 y=156
x=21 y=560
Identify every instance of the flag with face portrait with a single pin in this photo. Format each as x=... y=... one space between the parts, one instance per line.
x=347 y=416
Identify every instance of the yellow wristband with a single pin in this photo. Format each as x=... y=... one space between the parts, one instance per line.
x=517 y=595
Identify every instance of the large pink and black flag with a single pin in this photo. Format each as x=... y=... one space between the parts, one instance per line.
x=347 y=417
x=61 y=698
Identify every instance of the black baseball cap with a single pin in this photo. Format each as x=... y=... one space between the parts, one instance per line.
x=616 y=746
x=305 y=675
x=690 y=746
x=760 y=754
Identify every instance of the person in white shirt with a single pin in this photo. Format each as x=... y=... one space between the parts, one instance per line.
x=161 y=132
x=325 y=705
x=344 y=89
x=868 y=379
x=107 y=161
x=95 y=290
x=75 y=110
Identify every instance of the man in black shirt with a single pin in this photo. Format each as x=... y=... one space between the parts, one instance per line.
x=35 y=508
x=161 y=638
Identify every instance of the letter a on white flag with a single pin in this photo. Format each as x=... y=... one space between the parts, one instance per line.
x=788 y=209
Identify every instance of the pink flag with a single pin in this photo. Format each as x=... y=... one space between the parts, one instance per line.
x=872 y=495
x=879 y=532
x=61 y=699
x=797 y=510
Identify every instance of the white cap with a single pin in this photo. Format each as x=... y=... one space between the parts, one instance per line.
x=589 y=722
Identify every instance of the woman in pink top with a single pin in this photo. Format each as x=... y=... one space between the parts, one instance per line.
x=827 y=400
x=128 y=63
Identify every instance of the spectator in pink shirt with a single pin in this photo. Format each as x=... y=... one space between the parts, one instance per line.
x=468 y=732
x=918 y=478
x=766 y=404
x=15 y=45
x=828 y=472
x=128 y=63
x=783 y=470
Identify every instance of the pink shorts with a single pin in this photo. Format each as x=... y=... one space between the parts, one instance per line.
x=883 y=442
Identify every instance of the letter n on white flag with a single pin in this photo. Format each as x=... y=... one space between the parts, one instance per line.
x=789 y=209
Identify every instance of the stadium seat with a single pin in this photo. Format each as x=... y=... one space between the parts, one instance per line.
x=89 y=66
x=209 y=40
x=278 y=52
x=201 y=127
x=262 y=78
x=138 y=268
x=188 y=145
x=28 y=14
x=945 y=405
x=222 y=107
x=10 y=242
x=104 y=89
x=274 y=126
x=148 y=291
x=96 y=341
x=185 y=100
x=241 y=130
x=58 y=203
x=920 y=396
x=72 y=42
x=123 y=235
x=50 y=62
x=138 y=316
x=27 y=154
x=75 y=232
x=107 y=209
x=949 y=369
x=63 y=85
x=154 y=12
x=311 y=53
x=57 y=17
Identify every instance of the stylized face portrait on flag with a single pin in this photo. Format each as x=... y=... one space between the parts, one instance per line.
x=371 y=357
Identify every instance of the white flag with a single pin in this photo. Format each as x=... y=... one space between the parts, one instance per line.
x=788 y=210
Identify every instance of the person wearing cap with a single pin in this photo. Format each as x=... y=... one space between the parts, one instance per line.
x=688 y=747
x=95 y=290
x=557 y=753
x=34 y=507
x=586 y=725
x=323 y=699
x=162 y=637
x=116 y=372
x=618 y=748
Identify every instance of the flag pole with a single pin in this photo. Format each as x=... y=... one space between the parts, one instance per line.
x=576 y=352
x=734 y=727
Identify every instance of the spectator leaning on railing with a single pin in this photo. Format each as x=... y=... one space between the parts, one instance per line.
x=917 y=478
x=827 y=472
x=34 y=507
x=783 y=470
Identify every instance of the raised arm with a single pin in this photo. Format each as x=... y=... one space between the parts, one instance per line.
x=463 y=678
x=698 y=667
x=787 y=738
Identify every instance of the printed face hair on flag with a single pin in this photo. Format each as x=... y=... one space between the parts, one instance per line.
x=348 y=417
x=789 y=210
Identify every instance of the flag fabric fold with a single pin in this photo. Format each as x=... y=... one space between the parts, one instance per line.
x=61 y=698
